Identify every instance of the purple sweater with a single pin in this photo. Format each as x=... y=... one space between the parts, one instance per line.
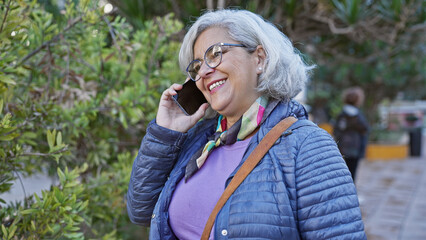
x=193 y=201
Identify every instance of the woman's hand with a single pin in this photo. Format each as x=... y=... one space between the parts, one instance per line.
x=170 y=116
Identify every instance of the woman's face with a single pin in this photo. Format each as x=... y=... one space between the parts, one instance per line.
x=235 y=78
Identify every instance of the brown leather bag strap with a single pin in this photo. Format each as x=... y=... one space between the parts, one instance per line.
x=267 y=142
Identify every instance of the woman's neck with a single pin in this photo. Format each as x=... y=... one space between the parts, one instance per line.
x=231 y=119
x=230 y=122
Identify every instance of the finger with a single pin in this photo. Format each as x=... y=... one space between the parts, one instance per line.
x=176 y=86
x=166 y=94
x=172 y=90
x=201 y=111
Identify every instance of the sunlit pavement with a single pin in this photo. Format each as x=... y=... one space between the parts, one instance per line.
x=393 y=198
x=26 y=186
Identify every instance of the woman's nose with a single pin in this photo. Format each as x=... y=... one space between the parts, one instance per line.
x=205 y=70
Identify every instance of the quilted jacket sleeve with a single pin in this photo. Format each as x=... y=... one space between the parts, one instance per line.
x=327 y=202
x=157 y=155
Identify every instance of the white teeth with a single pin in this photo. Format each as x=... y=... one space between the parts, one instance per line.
x=216 y=84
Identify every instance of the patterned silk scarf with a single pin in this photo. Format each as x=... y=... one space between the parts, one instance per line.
x=250 y=120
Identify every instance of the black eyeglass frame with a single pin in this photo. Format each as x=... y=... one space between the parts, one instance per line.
x=205 y=54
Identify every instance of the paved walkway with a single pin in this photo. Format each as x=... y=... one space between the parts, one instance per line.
x=393 y=198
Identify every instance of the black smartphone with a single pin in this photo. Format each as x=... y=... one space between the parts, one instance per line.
x=189 y=98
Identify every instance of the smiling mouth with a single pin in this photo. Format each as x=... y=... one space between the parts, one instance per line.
x=216 y=84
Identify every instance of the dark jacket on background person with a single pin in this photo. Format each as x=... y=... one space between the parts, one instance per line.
x=350 y=132
x=285 y=194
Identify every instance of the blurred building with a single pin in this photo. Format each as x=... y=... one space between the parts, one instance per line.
x=408 y=117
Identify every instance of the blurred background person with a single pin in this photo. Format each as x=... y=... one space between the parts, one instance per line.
x=351 y=129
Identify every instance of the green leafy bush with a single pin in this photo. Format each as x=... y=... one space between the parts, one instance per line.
x=77 y=90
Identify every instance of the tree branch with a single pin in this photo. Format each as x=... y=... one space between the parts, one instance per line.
x=22 y=183
x=336 y=30
x=220 y=4
x=44 y=154
x=111 y=30
x=5 y=15
x=332 y=25
x=418 y=27
x=45 y=44
x=132 y=63
x=210 y=5
x=176 y=9
x=154 y=52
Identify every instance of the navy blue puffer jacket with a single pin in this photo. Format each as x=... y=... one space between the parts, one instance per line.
x=301 y=189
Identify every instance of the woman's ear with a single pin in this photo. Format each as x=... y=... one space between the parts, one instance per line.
x=260 y=58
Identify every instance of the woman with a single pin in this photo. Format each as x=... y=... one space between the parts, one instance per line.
x=249 y=72
x=351 y=128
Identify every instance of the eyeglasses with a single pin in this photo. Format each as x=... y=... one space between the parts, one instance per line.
x=212 y=58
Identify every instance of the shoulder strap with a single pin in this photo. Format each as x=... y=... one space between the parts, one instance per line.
x=267 y=142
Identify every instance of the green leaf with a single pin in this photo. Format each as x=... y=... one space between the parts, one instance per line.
x=28 y=211
x=58 y=196
x=56 y=228
x=79 y=219
x=84 y=167
x=57 y=157
x=123 y=120
x=49 y=229
x=7 y=79
x=47 y=203
x=57 y=148
x=7 y=130
x=1 y=105
x=9 y=137
x=55 y=206
x=59 y=139
x=4 y=231
x=37 y=198
x=51 y=138
x=71 y=184
x=31 y=135
x=111 y=235
x=74 y=229
x=83 y=205
x=74 y=235
x=61 y=175
x=12 y=231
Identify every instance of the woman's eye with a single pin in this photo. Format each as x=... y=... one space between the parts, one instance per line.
x=215 y=51
x=216 y=54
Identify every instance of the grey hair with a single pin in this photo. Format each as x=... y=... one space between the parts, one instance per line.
x=284 y=73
